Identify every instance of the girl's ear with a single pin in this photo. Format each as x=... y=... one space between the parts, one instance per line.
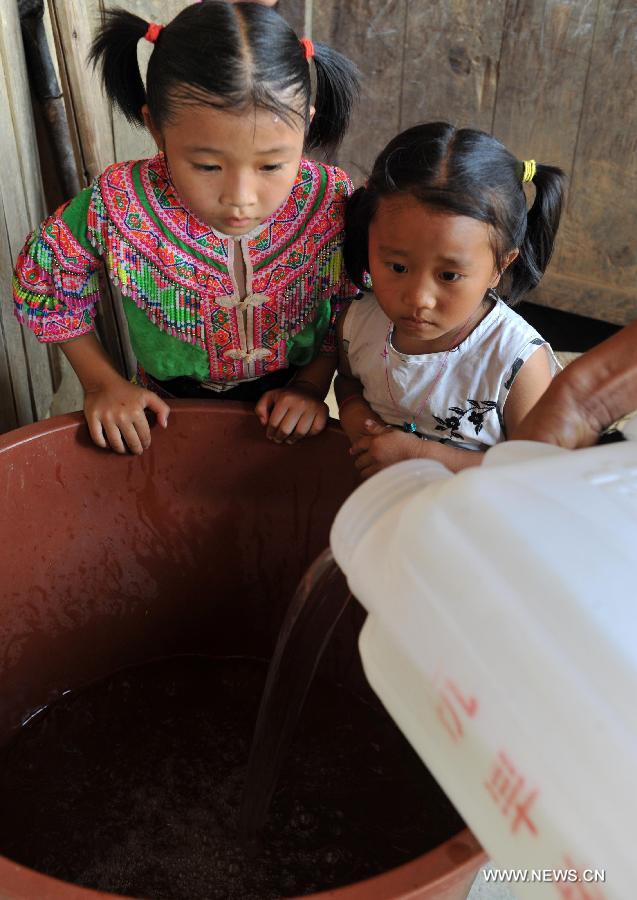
x=154 y=130
x=506 y=262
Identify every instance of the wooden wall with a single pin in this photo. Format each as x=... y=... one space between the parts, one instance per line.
x=556 y=80
x=28 y=370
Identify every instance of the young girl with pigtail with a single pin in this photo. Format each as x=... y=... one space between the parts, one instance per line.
x=226 y=246
x=435 y=363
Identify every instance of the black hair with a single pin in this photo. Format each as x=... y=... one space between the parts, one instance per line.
x=469 y=173
x=229 y=56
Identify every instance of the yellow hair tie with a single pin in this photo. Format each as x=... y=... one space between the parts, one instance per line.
x=530 y=169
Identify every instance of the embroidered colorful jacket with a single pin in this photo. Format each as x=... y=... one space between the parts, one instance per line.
x=176 y=274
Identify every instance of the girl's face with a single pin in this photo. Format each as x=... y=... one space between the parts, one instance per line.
x=430 y=272
x=232 y=170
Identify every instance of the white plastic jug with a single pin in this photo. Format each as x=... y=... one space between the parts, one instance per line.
x=502 y=638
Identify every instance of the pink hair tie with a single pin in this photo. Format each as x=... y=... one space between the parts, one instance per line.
x=308 y=47
x=154 y=30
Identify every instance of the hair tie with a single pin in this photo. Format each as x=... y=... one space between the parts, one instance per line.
x=308 y=47
x=308 y=50
x=528 y=173
x=153 y=32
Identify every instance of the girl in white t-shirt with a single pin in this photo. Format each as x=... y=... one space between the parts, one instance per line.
x=434 y=363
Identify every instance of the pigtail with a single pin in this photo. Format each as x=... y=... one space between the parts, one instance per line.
x=115 y=50
x=542 y=222
x=337 y=88
x=358 y=215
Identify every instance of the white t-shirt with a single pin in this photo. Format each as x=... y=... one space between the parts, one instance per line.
x=463 y=391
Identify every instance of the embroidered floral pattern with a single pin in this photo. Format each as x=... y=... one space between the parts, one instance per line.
x=475 y=413
x=56 y=284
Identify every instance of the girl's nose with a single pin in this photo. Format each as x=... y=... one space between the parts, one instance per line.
x=238 y=191
x=420 y=295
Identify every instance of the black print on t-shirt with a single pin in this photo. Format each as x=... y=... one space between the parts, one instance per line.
x=475 y=413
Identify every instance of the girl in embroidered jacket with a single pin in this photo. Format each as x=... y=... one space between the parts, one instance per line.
x=227 y=245
x=434 y=363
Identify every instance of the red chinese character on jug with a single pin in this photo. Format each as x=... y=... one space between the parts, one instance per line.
x=507 y=787
x=451 y=704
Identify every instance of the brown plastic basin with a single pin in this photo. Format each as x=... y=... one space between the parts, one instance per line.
x=194 y=547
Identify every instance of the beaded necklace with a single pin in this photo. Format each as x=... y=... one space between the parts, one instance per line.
x=410 y=427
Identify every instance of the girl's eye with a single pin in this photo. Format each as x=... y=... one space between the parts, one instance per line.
x=399 y=268
x=450 y=277
x=203 y=168
x=271 y=167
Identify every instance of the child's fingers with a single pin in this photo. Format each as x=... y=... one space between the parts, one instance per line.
x=320 y=420
x=96 y=431
x=311 y=423
x=303 y=427
x=142 y=428
x=131 y=438
x=159 y=407
x=277 y=413
x=113 y=436
x=286 y=425
x=265 y=405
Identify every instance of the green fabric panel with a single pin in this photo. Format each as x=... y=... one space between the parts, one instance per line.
x=161 y=354
x=305 y=346
x=75 y=216
x=165 y=356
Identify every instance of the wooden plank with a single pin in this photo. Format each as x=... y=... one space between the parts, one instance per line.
x=58 y=55
x=451 y=62
x=21 y=208
x=25 y=379
x=599 y=243
x=546 y=54
x=586 y=297
x=10 y=415
x=372 y=34
x=17 y=87
x=543 y=69
x=76 y=22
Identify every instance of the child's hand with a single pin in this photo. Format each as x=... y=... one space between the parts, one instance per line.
x=383 y=446
x=115 y=414
x=291 y=413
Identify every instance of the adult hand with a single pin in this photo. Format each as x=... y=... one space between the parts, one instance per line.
x=558 y=418
x=115 y=414
x=588 y=396
x=291 y=413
